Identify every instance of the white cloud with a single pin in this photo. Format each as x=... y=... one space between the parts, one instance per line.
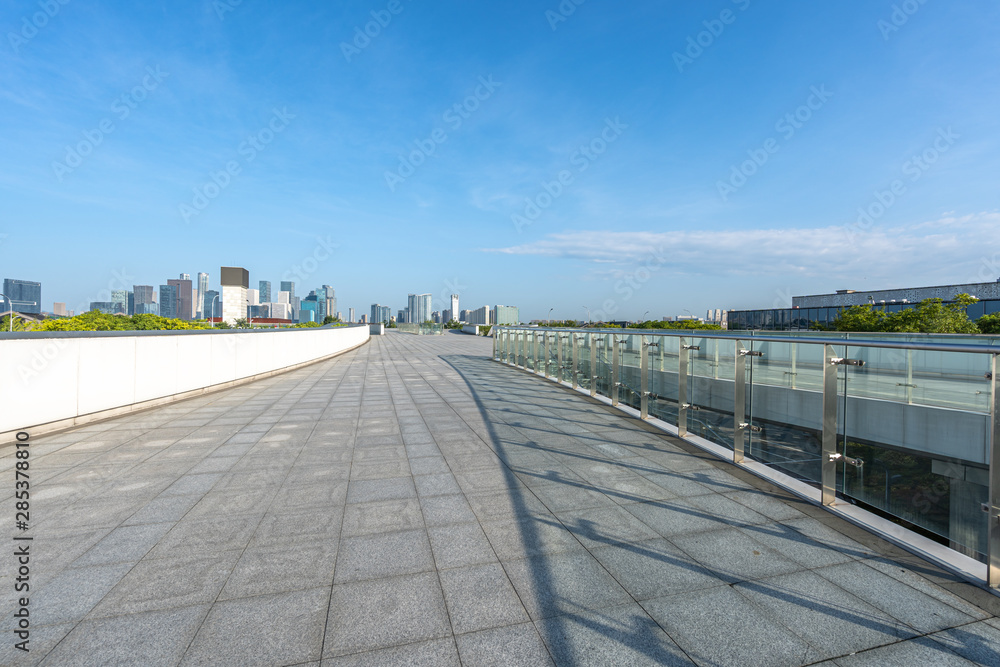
x=951 y=247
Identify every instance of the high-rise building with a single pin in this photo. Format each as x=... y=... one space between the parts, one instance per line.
x=168 y=300
x=185 y=298
x=330 y=295
x=119 y=299
x=235 y=281
x=202 y=291
x=144 y=300
x=436 y=317
x=23 y=296
x=482 y=315
x=288 y=286
x=454 y=307
x=59 y=308
x=185 y=276
x=402 y=317
x=253 y=297
x=505 y=315
x=380 y=313
x=265 y=291
x=106 y=307
x=419 y=307
x=131 y=304
x=464 y=316
x=212 y=306
x=350 y=314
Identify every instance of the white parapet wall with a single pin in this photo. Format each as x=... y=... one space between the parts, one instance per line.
x=477 y=329
x=54 y=380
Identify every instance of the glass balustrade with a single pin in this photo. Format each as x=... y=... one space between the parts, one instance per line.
x=901 y=425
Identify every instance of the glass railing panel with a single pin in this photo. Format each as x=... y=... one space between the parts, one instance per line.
x=629 y=369
x=922 y=463
x=710 y=389
x=566 y=344
x=663 y=386
x=786 y=419
x=953 y=380
x=604 y=352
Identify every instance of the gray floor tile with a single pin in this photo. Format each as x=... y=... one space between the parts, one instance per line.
x=268 y=630
x=433 y=653
x=370 y=490
x=151 y=638
x=481 y=597
x=386 y=612
x=459 y=545
x=445 y=510
x=382 y=517
x=563 y=583
x=168 y=583
x=623 y=635
x=383 y=555
x=919 y=651
x=978 y=642
x=125 y=544
x=654 y=568
x=824 y=615
x=718 y=626
x=500 y=647
x=733 y=555
x=72 y=594
x=908 y=605
x=266 y=570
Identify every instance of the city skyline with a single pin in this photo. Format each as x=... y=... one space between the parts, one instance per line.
x=721 y=156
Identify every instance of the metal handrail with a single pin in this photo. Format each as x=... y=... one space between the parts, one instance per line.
x=850 y=342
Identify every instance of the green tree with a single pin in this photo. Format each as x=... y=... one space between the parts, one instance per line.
x=928 y=316
x=989 y=324
x=242 y=323
x=860 y=318
x=18 y=325
x=329 y=319
x=680 y=324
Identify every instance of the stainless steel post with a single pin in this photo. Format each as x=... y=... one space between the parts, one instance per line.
x=614 y=370
x=682 y=387
x=830 y=456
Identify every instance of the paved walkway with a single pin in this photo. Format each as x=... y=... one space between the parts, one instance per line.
x=412 y=502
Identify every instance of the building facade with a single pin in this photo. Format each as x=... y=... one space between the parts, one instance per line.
x=25 y=295
x=185 y=298
x=505 y=315
x=235 y=282
x=264 y=287
x=168 y=300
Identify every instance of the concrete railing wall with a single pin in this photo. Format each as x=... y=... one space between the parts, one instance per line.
x=59 y=379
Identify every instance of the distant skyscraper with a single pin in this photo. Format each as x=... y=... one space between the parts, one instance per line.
x=144 y=300
x=379 y=313
x=185 y=276
x=253 y=297
x=119 y=298
x=106 y=307
x=168 y=300
x=403 y=316
x=265 y=291
x=419 y=307
x=454 y=307
x=330 y=295
x=350 y=314
x=185 y=298
x=213 y=307
x=288 y=286
x=58 y=308
x=482 y=315
x=202 y=290
x=25 y=294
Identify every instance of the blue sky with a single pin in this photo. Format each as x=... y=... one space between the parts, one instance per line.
x=632 y=157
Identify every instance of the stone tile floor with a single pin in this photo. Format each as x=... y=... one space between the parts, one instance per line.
x=412 y=502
